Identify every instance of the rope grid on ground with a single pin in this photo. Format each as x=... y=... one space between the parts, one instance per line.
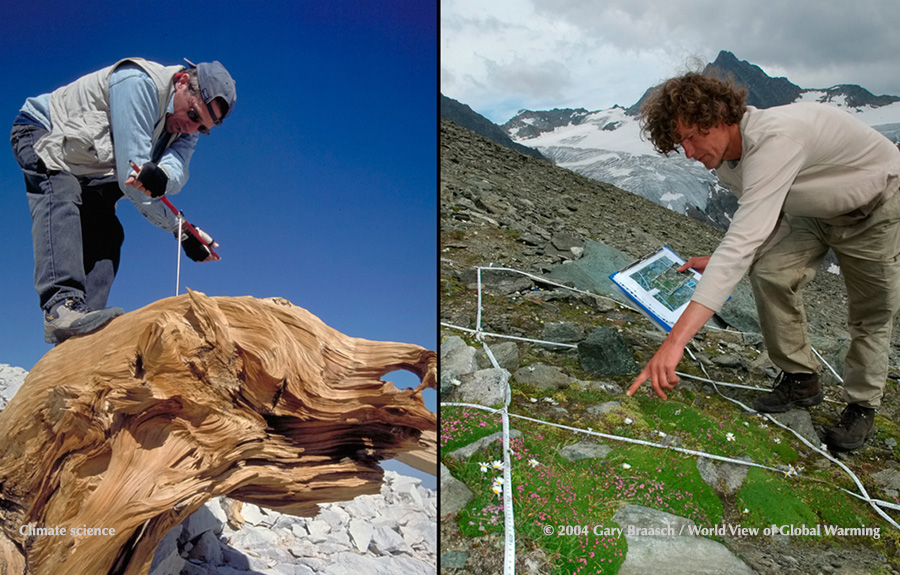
x=509 y=525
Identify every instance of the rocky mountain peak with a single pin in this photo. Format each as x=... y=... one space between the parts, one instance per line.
x=530 y=124
x=462 y=115
x=855 y=96
x=763 y=90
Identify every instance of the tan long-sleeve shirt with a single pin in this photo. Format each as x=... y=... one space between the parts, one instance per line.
x=806 y=159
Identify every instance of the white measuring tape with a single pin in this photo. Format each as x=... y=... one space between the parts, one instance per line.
x=178 y=255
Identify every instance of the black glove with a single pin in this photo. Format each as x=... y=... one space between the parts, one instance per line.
x=193 y=247
x=154 y=179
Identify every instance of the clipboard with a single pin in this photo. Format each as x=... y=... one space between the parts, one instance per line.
x=652 y=282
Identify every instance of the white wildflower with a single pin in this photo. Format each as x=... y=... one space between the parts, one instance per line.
x=484 y=466
x=626 y=466
x=455 y=381
x=497 y=464
x=793 y=471
x=729 y=436
x=628 y=421
x=533 y=462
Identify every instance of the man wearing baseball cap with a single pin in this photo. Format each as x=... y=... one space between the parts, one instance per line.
x=74 y=146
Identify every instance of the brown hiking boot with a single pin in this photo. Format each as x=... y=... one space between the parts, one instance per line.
x=857 y=422
x=791 y=389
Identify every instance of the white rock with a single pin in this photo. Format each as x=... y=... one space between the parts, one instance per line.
x=410 y=493
x=318 y=530
x=339 y=537
x=313 y=563
x=420 y=532
x=330 y=548
x=361 y=534
x=216 y=507
x=350 y=562
x=332 y=518
x=406 y=565
x=392 y=532
x=386 y=541
x=303 y=548
x=254 y=515
x=11 y=379
x=251 y=537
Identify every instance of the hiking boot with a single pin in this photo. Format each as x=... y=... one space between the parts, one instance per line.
x=857 y=422
x=73 y=317
x=791 y=389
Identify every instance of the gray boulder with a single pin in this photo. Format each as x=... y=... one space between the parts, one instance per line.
x=678 y=553
x=800 y=421
x=591 y=272
x=585 y=450
x=563 y=332
x=543 y=376
x=889 y=479
x=484 y=387
x=466 y=452
x=732 y=475
x=506 y=353
x=605 y=353
x=604 y=408
x=454 y=496
x=457 y=359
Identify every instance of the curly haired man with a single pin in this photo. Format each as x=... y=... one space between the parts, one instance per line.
x=808 y=177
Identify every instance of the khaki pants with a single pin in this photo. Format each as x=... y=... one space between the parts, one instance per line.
x=869 y=255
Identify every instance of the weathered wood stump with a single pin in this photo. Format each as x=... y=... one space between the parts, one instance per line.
x=131 y=429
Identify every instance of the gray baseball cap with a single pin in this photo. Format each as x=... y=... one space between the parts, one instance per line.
x=215 y=82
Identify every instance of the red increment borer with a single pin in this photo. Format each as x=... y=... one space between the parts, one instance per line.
x=179 y=214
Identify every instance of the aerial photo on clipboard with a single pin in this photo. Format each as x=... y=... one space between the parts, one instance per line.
x=664 y=283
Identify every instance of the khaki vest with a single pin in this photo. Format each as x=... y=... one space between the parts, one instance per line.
x=81 y=140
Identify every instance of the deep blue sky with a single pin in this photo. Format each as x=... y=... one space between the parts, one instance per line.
x=320 y=187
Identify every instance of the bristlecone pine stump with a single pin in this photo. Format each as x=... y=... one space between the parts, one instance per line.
x=135 y=426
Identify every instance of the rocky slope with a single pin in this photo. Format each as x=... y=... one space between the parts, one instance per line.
x=503 y=209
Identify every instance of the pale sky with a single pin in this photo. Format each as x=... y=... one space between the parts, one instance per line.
x=505 y=55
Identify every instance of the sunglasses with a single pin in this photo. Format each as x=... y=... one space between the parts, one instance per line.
x=194 y=117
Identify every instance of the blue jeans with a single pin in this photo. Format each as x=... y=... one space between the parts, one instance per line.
x=76 y=235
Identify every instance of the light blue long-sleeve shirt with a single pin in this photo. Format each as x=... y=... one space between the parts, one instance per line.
x=134 y=114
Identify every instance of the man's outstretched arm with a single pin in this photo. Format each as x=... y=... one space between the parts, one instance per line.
x=661 y=367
